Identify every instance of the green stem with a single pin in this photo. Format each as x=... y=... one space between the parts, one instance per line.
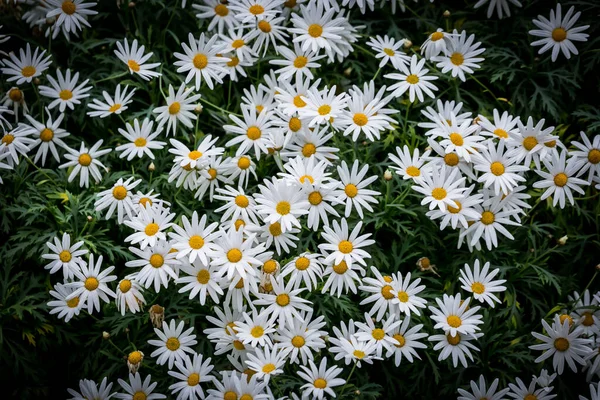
x=485 y=87
x=347 y=380
x=41 y=171
x=111 y=77
x=218 y=108
x=376 y=73
x=115 y=346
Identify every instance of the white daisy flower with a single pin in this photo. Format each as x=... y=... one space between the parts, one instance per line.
x=585 y=312
x=462 y=139
x=251 y=131
x=158 y=265
x=284 y=304
x=86 y=163
x=560 y=180
x=90 y=390
x=530 y=140
x=408 y=341
x=464 y=212
x=501 y=127
x=353 y=188
x=323 y=106
x=91 y=285
x=389 y=50
x=562 y=345
x=47 y=135
x=199 y=280
x=64 y=256
x=239 y=206
x=255 y=10
x=407 y=165
x=299 y=341
x=482 y=391
x=317 y=29
x=278 y=201
x=320 y=197
x=14 y=98
x=65 y=92
x=586 y=157
x=136 y=389
x=237 y=42
x=220 y=15
x=179 y=108
x=312 y=143
x=214 y=176
x=406 y=299
x=436 y=43
x=14 y=143
x=149 y=224
x=237 y=254
x=255 y=329
x=27 y=66
x=380 y=337
x=502 y=8
x=493 y=218
x=289 y=95
x=173 y=344
x=129 y=295
x=521 y=391
x=113 y=105
x=272 y=233
x=481 y=283
x=499 y=168
x=118 y=197
x=66 y=309
x=441 y=188
x=345 y=247
x=321 y=380
x=191 y=373
x=266 y=362
x=455 y=316
x=460 y=56
x=368 y=118
x=558 y=33
x=296 y=62
x=445 y=111
x=382 y=293
x=457 y=346
x=197 y=158
x=141 y=140
x=271 y=32
x=234 y=66
x=356 y=351
x=305 y=269
x=135 y=59
x=414 y=80
x=72 y=14
x=200 y=60
x=195 y=239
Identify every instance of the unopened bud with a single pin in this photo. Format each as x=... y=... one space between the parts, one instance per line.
x=348 y=71
x=387 y=175
x=407 y=43
x=89 y=218
x=151 y=167
x=446 y=14
x=563 y=240
x=198 y=109
x=131 y=4
x=36 y=81
x=105 y=335
x=598 y=267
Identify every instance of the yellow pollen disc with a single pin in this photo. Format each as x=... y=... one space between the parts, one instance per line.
x=140 y=142
x=413 y=171
x=240 y=284
x=403 y=296
x=139 y=396
x=238 y=43
x=389 y=52
x=453 y=340
x=173 y=344
x=290 y=3
x=550 y=144
x=456 y=210
x=594 y=156
x=300 y=62
x=530 y=396
x=308 y=150
x=315 y=198
x=200 y=61
x=295 y=124
x=530 y=142
x=588 y=319
x=187 y=167
x=351 y=190
x=451 y=159
x=387 y=292
x=233 y=63
x=497 y=168
x=456 y=139
x=305 y=178
x=560 y=180
x=15 y=94
x=239 y=223
x=145 y=201
x=213 y=174
x=133 y=65
x=243 y=163
x=74 y=302
x=359 y=354
x=341 y=268
x=247 y=396
x=239 y=345
x=282 y=300
x=298 y=102
x=315 y=30
x=230 y=395
x=477 y=287
x=400 y=339
x=151 y=229
x=232 y=326
x=259 y=108
x=283 y=208
x=65 y=256
x=268 y=287
x=253 y=133
x=264 y=26
x=302 y=263
x=68 y=7
x=360 y=119
x=275 y=229
x=174 y=108
x=114 y=107
x=559 y=34
x=345 y=247
x=561 y=344
x=85 y=159
x=119 y=192
x=412 y=79
x=221 y=10
x=457 y=59
x=324 y=109
x=196 y=242
x=28 y=71
x=257 y=331
x=387 y=279
x=320 y=383
x=564 y=317
x=268 y=368
x=454 y=321
x=270 y=267
x=193 y=379
x=487 y=218
x=298 y=341
x=501 y=133
x=378 y=334
x=241 y=201
x=439 y=193
x=256 y=9
x=125 y=285
x=234 y=255
x=435 y=36
x=135 y=357
x=65 y=94
x=194 y=155
x=91 y=283
x=156 y=260
x=46 y=135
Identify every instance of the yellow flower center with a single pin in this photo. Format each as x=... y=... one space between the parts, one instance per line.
x=157 y=260
x=200 y=61
x=241 y=201
x=239 y=223
x=389 y=52
x=140 y=142
x=295 y=124
x=435 y=36
x=234 y=62
x=501 y=133
x=439 y=193
x=487 y=218
x=174 y=108
x=247 y=396
x=239 y=345
x=324 y=109
x=257 y=331
x=530 y=396
x=413 y=171
x=65 y=256
x=230 y=395
x=561 y=179
x=403 y=296
x=454 y=321
x=74 y=302
x=135 y=357
x=91 y=283
x=221 y=10
x=270 y=267
x=46 y=135
x=151 y=229
x=455 y=210
x=412 y=79
x=302 y=263
x=360 y=119
x=309 y=149
x=561 y=344
x=530 y=142
x=213 y=174
x=559 y=34
x=15 y=94
x=300 y=62
x=351 y=190
x=594 y=156
x=234 y=255
x=28 y=71
x=451 y=159
x=114 y=107
x=456 y=139
x=315 y=30
x=253 y=133
x=315 y=198
x=341 y=268
x=477 y=287
x=298 y=102
x=238 y=43
x=298 y=341
x=65 y=94
x=275 y=229
x=173 y=344
x=243 y=163
x=282 y=300
x=193 y=379
x=85 y=159
x=378 y=334
x=457 y=59
x=564 y=317
x=125 y=285
x=387 y=292
x=133 y=65
x=119 y=192
x=497 y=168
x=256 y=9
x=400 y=339
x=240 y=284
x=345 y=246
x=196 y=242
x=283 y=208
x=588 y=319
x=268 y=368
x=305 y=178
x=359 y=354
x=144 y=201
x=453 y=340
x=264 y=26
x=194 y=155
x=68 y=7
x=139 y=396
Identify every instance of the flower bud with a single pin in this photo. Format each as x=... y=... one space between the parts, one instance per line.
x=89 y=218
x=348 y=71
x=105 y=335
x=134 y=361
x=157 y=315
x=151 y=167
x=563 y=240
x=407 y=43
x=446 y=14
x=131 y=4
x=198 y=109
x=387 y=175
